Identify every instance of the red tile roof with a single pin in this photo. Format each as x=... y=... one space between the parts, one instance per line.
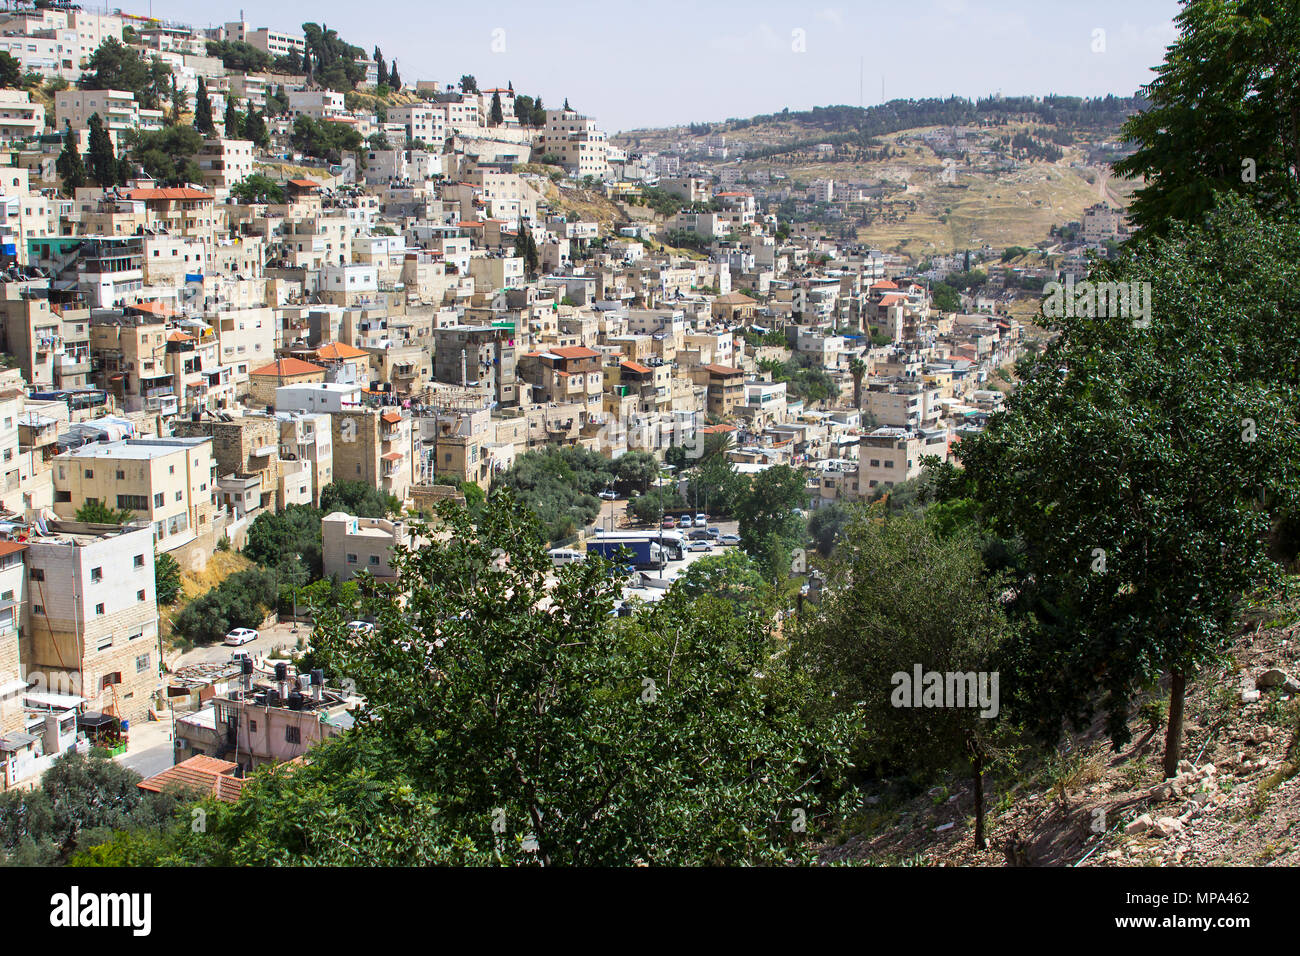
x=11 y=547
x=178 y=192
x=391 y=416
x=636 y=367
x=200 y=773
x=722 y=370
x=575 y=352
x=339 y=350
x=287 y=366
x=304 y=183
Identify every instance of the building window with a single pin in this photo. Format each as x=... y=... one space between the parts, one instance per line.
x=292 y=735
x=38 y=574
x=352 y=559
x=99 y=610
x=159 y=500
x=252 y=726
x=139 y=560
x=96 y=575
x=139 y=595
x=38 y=609
x=374 y=559
x=142 y=663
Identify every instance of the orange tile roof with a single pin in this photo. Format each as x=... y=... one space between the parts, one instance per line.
x=153 y=308
x=339 y=350
x=11 y=547
x=180 y=337
x=884 y=284
x=393 y=456
x=202 y=773
x=287 y=366
x=391 y=416
x=574 y=352
x=304 y=183
x=179 y=192
x=723 y=370
x=636 y=367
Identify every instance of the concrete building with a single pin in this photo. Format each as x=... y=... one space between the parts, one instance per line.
x=374 y=447
x=92 y=617
x=350 y=545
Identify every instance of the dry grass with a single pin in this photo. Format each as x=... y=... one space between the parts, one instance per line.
x=221 y=565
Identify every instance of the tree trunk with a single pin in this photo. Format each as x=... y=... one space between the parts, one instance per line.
x=980 y=842
x=1174 y=734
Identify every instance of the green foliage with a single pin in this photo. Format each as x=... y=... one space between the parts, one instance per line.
x=257 y=188
x=276 y=537
x=898 y=596
x=650 y=507
x=70 y=166
x=358 y=499
x=239 y=57
x=94 y=511
x=168 y=154
x=636 y=471
x=944 y=297
x=336 y=64
x=241 y=600
x=82 y=801
x=1166 y=452
x=676 y=736
x=324 y=139
x=769 y=527
x=1222 y=115
x=827 y=525
x=103 y=158
x=203 y=110
x=11 y=72
x=732 y=575
x=560 y=486
x=114 y=66
x=166 y=578
x=804 y=377
x=234 y=122
x=255 y=128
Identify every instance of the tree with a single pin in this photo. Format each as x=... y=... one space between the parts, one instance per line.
x=827 y=525
x=103 y=158
x=166 y=578
x=167 y=155
x=257 y=188
x=324 y=139
x=468 y=84
x=203 y=110
x=94 y=511
x=394 y=80
x=177 y=97
x=241 y=600
x=114 y=66
x=1145 y=471
x=858 y=369
x=381 y=67
x=731 y=575
x=255 y=128
x=234 y=122
x=903 y=600
x=495 y=115
x=69 y=165
x=240 y=57
x=769 y=527
x=293 y=534
x=359 y=499
x=945 y=297
x=277 y=103
x=636 y=471
x=1224 y=115
x=11 y=72
x=543 y=732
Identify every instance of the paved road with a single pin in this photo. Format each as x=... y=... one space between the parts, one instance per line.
x=270 y=642
x=150 y=749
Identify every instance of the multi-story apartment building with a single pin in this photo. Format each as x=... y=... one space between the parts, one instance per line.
x=169 y=482
x=374 y=446
x=20 y=118
x=350 y=545
x=13 y=604
x=117 y=108
x=92 y=615
x=225 y=162
x=483 y=354
x=130 y=351
x=308 y=437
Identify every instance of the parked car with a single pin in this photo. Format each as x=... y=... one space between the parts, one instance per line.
x=700 y=546
x=359 y=628
x=715 y=533
x=670 y=522
x=699 y=534
x=729 y=539
x=701 y=521
x=607 y=495
x=562 y=556
x=241 y=635
x=239 y=656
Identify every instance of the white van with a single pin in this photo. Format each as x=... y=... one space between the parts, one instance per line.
x=562 y=556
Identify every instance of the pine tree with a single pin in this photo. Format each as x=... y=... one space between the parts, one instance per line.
x=382 y=67
x=496 y=117
x=394 y=81
x=566 y=104
x=203 y=110
x=70 y=167
x=124 y=169
x=103 y=158
x=234 y=126
x=255 y=128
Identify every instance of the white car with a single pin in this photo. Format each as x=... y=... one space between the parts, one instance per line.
x=360 y=628
x=241 y=635
x=607 y=495
x=700 y=546
x=729 y=539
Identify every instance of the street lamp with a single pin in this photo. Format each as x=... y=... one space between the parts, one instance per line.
x=294 y=629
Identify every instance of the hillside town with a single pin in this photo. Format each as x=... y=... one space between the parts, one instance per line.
x=414 y=310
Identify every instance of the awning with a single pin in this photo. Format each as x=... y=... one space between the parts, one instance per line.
x=63 y=701
x=94 y=720
x=12 y=687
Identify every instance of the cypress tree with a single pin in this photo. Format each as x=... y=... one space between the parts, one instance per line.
x=203 y=110
x=103 y=158
x=69 y=165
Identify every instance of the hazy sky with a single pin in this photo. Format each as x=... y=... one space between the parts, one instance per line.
x=662 y=63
